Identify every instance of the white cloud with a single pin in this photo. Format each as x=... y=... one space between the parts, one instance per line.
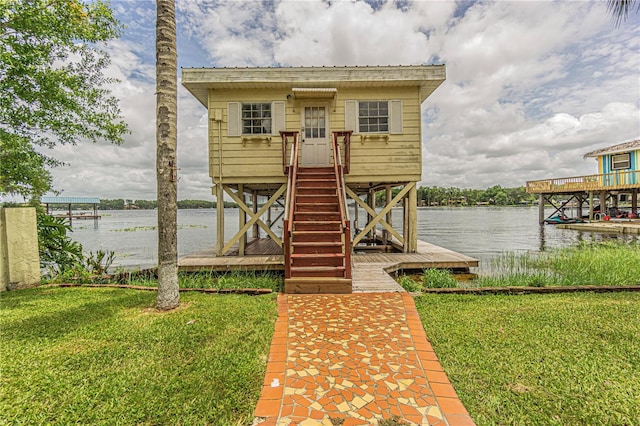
x=530 y=86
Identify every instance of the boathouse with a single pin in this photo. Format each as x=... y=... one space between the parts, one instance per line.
x=309 y=144
x=618 y=179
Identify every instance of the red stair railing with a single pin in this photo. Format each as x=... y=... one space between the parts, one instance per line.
x=292 y=171
x=339 y=170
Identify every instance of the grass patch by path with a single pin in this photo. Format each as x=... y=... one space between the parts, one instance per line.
x=562 y=359
x=105 y=356
x=214 y=280
x=219 y=280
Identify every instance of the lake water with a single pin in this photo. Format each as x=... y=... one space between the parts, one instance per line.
x=480 y=232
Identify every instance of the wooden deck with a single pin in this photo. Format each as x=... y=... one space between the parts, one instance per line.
x=620 y=180
x=370 y=271
x=631 y=227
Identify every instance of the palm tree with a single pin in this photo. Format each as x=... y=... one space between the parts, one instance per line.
x=619 y=10
x=166 y=143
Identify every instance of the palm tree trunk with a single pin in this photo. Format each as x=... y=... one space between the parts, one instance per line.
x=166 y=143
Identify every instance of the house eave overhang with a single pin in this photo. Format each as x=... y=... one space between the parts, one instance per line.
x=200 y=80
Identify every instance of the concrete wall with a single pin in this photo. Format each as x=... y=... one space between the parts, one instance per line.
x=19 y=259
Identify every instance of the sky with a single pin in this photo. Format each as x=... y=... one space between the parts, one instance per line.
x=531 y=85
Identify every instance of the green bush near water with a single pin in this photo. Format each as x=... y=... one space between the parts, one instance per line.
x=604 y=263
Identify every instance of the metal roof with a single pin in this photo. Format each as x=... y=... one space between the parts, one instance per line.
x=622 y=147
x=200 y=80
x=70 y=200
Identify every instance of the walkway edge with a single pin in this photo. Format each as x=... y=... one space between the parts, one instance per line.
x=533 y=290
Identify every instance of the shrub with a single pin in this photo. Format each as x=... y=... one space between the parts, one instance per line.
x=438 y=278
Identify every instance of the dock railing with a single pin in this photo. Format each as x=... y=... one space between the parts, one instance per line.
x=623 y=179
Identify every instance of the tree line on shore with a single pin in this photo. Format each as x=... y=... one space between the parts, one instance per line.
x=427 y=196
x=124 y=204
x=495 y=195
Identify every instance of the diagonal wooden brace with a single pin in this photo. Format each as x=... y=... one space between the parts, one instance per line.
x=373 y=213
x=255 y=218
x=382 y=213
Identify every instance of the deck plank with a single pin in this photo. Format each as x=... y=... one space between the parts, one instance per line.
x=370 y=271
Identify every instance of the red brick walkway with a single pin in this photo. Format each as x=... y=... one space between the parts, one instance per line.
x=358 y=357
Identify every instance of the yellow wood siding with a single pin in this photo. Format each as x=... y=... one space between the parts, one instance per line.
x=373 y=160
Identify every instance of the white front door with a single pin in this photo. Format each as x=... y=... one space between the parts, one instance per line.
x=316 y=150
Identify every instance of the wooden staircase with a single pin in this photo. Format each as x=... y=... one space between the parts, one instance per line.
x=319 y=258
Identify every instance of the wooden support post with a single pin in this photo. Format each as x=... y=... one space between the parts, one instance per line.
x=590 y=205
x=357 y=208
x=412 y=237
x=387 y=199
x=634 y=201
x=371 y=201
x=269 y=224
x=541 y=209
x=242 y=242
x=70 y=218
x=603 y=203
x=219 y=219
x=405 y=224
x=254 y=202
x=580 y=200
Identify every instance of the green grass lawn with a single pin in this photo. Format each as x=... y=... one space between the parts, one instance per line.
x=105 y=356
x=565 y=359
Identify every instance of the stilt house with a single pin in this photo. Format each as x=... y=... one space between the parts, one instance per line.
x=618 y=179
x=315 y=143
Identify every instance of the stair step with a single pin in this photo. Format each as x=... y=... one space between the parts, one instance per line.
x=314 y=170
x=316 y=183
x=316 y=191
x=317 y=215
x=315 y=198
x=315 y=207
x=317 y=271
x=316 y=236
x=318 y=260
x=317 y=225
x=314 y=247
x=317 y=285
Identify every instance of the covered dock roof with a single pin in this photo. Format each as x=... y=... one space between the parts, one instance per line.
x=70 y=200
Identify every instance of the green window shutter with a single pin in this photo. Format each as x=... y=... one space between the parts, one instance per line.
x=395 y=116
x=278 y=117
x=234 y=121
x=351 y=115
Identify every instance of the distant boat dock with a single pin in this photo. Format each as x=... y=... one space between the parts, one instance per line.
x=70 y=202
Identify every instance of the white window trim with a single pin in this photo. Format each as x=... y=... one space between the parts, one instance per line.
x=626 y=162
x=352 y=116
x=234 y=118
